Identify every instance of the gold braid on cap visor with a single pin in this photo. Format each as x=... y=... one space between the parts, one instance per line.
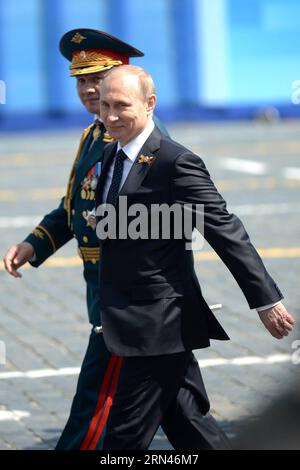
x=90 y=62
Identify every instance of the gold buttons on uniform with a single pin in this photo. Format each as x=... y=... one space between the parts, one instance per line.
x=85 y=239
x=93 y=260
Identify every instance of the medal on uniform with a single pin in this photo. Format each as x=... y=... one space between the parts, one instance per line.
x=90 y=217
x=94 y=183
x=89 y=184
x=96 y=172
x=86 y=186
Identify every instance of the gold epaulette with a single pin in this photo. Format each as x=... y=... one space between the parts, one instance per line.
x=107 y=138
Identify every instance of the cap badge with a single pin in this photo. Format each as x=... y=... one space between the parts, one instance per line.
x=78 y=38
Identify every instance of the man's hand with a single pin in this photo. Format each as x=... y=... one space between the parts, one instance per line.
x=16 y=256
x=277 y=320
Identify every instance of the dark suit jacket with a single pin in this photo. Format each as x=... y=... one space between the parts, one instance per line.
x=151 y=302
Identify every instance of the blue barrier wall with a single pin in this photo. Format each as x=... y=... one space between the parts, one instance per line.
x=210 y=59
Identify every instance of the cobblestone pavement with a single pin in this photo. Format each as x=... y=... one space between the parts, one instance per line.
x=43 y=320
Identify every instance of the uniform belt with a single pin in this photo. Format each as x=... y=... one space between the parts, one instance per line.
x=89 y=254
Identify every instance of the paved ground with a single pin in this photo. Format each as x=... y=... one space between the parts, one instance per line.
x=43 y=319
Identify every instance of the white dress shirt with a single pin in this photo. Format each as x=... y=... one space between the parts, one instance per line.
x=132 y=150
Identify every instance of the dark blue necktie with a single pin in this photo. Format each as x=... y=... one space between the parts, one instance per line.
x=116 y=179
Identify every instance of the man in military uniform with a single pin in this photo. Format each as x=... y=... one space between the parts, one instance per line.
x=92 y=54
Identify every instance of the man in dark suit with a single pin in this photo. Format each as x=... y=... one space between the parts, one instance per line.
x=153 y=313
x=92 y=53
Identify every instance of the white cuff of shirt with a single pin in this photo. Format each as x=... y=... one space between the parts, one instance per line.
x=260 y=309
x=33 y=258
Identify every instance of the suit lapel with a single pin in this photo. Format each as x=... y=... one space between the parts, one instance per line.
x=139 y=170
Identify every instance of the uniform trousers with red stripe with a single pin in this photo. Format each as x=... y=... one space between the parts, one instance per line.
x=185 y=418
x=148 y=390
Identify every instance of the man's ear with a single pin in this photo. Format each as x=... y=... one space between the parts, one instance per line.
x=151 y=102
